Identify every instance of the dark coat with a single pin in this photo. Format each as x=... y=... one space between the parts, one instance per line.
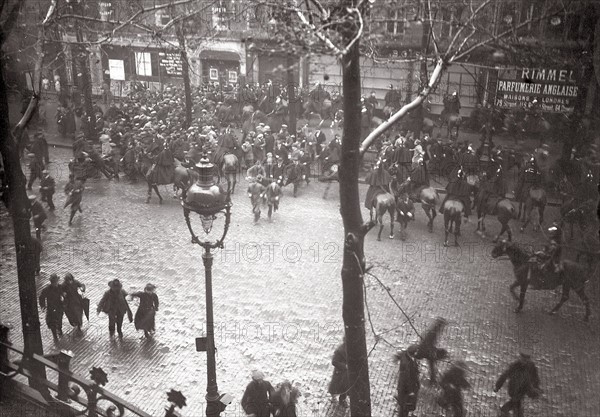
x=38 y=213
x=162 y=171
x=340 y=382
x=278 y=170
x=51 y=298
x=522 y=378
x=146 y=312
x=408 y=383
x=73 y=302
x=256 y=398
x=47 y=185
x=115 y=303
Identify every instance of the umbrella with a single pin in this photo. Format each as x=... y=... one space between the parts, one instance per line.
x=86 y=308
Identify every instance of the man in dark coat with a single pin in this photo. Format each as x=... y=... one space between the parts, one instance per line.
x=523 y=380
x=452 y=382
x=408 y=381
x=73 y=301
x=393 y=98
x=51 y=300
x=164 y=168
x=458 y=189
x=283 y=152
x=320 y=141
x=257 y=396
x=279 y=168
x=38 y=215
x=256 y=192
x=36 y=166
x=378 y=180
x=47 y=188
x=114 y=304
x=146 y=312
x=293 y=174
x=340 y=383
x=128 y=162
x=74 y=191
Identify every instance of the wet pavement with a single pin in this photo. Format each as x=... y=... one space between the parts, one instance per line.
x=277 y=302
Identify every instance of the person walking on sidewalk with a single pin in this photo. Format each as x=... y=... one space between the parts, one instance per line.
x=523 y=380
x=36 y=166
x=146 y=312
x=340 y=383
x=74 y=190
x=73 y=301
x=38 y=215
x=114 y=305
x=408 y=381
x=51 y=300
x=257 y=397
x=47 y=188
x=452 y=382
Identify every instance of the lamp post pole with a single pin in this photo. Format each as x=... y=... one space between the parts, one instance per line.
x=206 y=199
x=212 y=391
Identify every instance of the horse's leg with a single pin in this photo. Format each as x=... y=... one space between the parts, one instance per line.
x=586 y=302
x=433 y=212
x=270 y=213
x=149 y=193
x=509 y=231
x=566 y=290
x=512 y=289
x=503 y=229
x=541 y=209
x=446 y=231
x=391 y=212
x=456 y=230
x=526 y=217
x=380 y=221
x=522 y=297
x=160 y=199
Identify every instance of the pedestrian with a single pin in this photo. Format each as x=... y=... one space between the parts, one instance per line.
x=36 y=167
x=452 y=382
x=51 y=300
x=146 y=312
x=38 y=214
x=73 y=301
x=523 y=380
x=257 y=397
x=47 y=188
x=408 y=381
x=340 y=383
x=256 y=193
x=427 y=348
x=114 y=305
x=74 y=191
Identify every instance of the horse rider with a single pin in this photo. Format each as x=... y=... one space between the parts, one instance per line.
x=551 y=255
x=378 y=180
x=452 y=104
x=459 y=189
x=372 y=100
x=529 y=178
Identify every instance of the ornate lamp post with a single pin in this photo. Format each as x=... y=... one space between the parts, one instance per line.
x=207 y=199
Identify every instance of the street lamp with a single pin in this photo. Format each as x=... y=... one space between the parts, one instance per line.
x=207 y=199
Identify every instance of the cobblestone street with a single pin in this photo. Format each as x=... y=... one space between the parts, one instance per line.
x=277 y=293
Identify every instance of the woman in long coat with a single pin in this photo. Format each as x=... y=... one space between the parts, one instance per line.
x=145 y=315
x=73 y=301
x=340 y=382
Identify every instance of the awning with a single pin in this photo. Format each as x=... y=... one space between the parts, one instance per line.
x=220 y=55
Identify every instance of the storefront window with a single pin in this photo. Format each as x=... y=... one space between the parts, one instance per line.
x=143 y=64
x=214 y=74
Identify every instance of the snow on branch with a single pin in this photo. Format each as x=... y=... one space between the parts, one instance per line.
x=51 y=10
x=382 y=128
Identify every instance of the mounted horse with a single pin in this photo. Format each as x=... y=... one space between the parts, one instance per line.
x=450 y=115
x=491 y=201
x=157 y=174
x=529 y=178
x=383 y=202
x=424 y=194
x=453 y=211
x=528 y=272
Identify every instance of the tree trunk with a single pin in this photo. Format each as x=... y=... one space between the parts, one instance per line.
x=291 y=95
x=86 y=81
x=185 y=70
x=18 y=205
x=354 y=231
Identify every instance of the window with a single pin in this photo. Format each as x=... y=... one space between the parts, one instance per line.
x=162 y=17
x=107 y=11
x=395 y=22
x=222 y=15
x=233 y=77
x=143 y=64
x=213 y=74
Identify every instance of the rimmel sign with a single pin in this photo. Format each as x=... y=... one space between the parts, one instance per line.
x=556 y=90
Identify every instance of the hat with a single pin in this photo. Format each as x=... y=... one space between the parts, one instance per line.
x=149 y=287
x=526 y=352
x=267 y=128
x=261 y=124
x=31 y=197
x=31 y=155
x=257 y=375
x=112 y=144
x=45 y=171
x=391 y=85
x=412 y=349
x=284 y=126
x=278 y=156
x=115 y=283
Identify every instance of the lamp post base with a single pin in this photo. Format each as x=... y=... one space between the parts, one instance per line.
x=213 y=406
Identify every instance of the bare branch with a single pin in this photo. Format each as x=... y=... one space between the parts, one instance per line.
x=431 y=30
x=382 y=128
x=473 y=15
x=316 y=32
x=12 y=18
x=51 y=10
x=359 y=32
